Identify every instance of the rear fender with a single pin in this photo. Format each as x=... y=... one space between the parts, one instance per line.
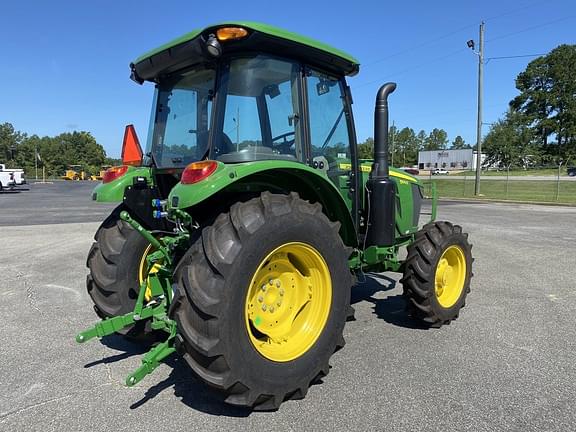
x=231 y=183
x=114 y=191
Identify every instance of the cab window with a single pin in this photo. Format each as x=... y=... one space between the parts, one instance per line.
x=330 y=141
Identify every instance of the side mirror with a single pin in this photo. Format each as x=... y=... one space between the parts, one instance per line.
x=131 y=150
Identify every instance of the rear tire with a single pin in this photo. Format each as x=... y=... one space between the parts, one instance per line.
x=213 y=283
x=114 y=262
x=437 y=273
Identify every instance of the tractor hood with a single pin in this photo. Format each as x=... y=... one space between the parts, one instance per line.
x=191 y=48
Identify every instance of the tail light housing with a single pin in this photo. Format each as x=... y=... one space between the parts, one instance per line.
x=113 y=173
x=197 y=171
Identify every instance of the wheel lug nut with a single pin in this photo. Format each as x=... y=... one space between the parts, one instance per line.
x=263 y=287
x=279 y=303
x=264 y=307
x=270 y=281
x=281 y=291
x=260 y=299
x=278 y=284
x=271 y=308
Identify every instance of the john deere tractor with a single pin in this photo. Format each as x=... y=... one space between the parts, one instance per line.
x=241 y=225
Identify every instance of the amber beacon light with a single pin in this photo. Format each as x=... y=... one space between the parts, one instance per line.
x=231 y=33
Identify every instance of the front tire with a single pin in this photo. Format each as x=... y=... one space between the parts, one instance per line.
x=437 y=273
x=235 y=288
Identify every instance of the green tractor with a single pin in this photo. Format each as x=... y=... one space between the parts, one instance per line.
x=241 y=226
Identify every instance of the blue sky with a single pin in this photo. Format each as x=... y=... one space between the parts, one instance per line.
x=64 y=64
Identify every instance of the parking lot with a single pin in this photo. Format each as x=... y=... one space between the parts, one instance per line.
x=506 y=364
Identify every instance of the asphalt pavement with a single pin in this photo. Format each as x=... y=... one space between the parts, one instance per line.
x=59 y=201
x=507 y=363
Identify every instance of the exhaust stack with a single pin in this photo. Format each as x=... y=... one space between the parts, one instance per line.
x=381 y=190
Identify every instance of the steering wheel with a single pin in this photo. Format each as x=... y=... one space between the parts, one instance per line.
x=284 y=146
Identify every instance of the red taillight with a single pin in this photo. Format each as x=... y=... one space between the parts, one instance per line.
x=197 y=171
x=113 y=173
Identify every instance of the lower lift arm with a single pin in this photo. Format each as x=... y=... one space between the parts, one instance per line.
x=158 y=285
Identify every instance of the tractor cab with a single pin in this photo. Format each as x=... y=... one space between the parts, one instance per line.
x=245 y=92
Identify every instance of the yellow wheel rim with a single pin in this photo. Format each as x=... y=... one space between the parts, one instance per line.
x=288 y=302
x=143 y=272
x=450 y=276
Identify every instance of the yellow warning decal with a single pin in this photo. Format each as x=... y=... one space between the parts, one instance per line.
x=367 y=169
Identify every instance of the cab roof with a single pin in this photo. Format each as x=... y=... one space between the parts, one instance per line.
x=190 y=48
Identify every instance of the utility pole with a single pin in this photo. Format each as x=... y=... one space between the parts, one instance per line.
x=36 y=160
x=392 y=143
x=480 y=54
x=238 y=128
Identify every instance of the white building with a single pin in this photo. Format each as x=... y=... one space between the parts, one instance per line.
x=448 y=159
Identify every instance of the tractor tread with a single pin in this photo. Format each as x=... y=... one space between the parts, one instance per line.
x=203 y=302
x=419 y=272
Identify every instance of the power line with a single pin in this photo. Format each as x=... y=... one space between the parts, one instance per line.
x=420 y=65
x=515 y=56
x=410 y=69
x=514 y=11
x=446 y=35
x=531 y=28
x=422 y=45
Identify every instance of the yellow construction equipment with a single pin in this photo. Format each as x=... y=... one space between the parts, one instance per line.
x=74 y=172
x=98 y=177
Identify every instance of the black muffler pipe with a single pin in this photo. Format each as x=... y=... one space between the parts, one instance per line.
x=381 y=198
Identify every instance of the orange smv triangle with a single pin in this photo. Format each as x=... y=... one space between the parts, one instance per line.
x=131 y=150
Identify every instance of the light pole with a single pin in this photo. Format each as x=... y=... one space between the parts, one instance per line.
x=480 y=54
x=392 y=143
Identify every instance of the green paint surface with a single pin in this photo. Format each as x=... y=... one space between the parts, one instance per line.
x=228 y=174
x=272 y=175
x=114 y=191
x=263 y=28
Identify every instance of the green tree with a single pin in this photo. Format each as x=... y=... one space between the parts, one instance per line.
x=406 y=147
x=56 y=153
x=436 y=140
x=77 y=148
x=510 y=143
x=547 y=99
x=10 y=139
x=421 y=139
x=366 y=149
x=459 y=144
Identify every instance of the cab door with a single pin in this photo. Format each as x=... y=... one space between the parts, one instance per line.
x=331 y=132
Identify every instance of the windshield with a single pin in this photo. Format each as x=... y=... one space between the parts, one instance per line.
x=257 y=117
x=260 y=113
x=181 y=118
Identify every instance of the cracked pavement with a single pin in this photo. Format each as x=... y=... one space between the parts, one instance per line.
x=507 y=364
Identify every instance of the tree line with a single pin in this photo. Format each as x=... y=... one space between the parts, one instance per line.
x=539 y=127
x=405 y=143
x=55 y=154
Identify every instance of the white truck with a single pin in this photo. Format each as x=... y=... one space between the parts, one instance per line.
x=10 y=177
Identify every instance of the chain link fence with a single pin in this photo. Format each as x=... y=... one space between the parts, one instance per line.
x=549 y=188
